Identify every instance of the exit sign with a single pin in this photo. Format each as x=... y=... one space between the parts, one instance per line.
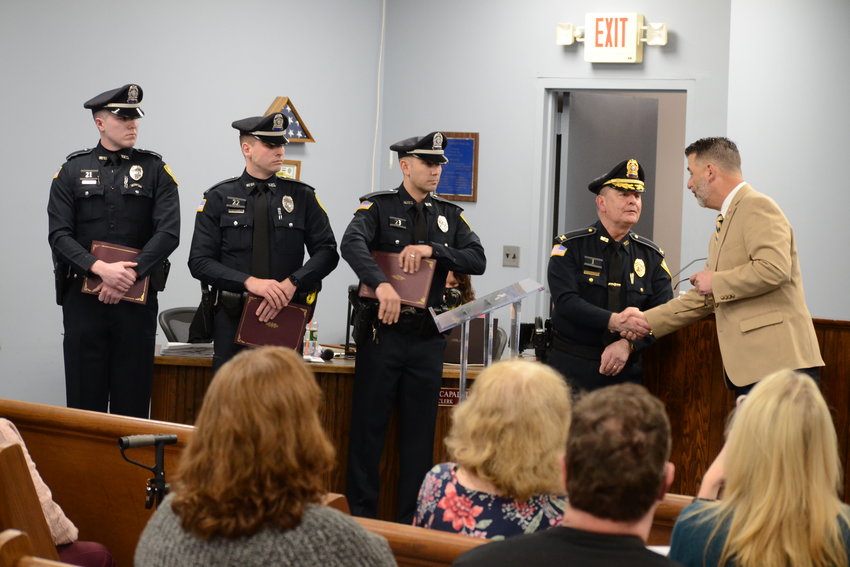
x=613 y=38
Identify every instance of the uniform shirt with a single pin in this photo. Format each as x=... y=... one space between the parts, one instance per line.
x=134 y=204
x=578 y=282
x=224 y=227
x=384 y=222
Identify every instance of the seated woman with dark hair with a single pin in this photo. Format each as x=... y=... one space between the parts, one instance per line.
x=507 y=440
x=781 y=475
x=249 y=483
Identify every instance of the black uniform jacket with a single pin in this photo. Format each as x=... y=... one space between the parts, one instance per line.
x=578 y=282
x=134 y=204
x=224 y=227
x=384 y=221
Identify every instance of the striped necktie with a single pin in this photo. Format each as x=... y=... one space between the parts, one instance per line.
x=718 y=222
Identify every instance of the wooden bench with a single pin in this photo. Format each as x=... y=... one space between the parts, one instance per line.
x=16 y=551
x=77 y=454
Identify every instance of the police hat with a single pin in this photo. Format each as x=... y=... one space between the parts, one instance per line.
x=123 y=101
x=427 y=148
x=270 y=129
x=626 y=176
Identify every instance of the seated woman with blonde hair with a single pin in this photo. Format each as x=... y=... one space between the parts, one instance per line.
x=781 y=476
x=250 y=480
x=507 y=440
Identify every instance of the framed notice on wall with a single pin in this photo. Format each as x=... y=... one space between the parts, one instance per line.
x=459 y=181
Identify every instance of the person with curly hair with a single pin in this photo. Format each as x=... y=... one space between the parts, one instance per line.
x=506 y=440
x=249 y=483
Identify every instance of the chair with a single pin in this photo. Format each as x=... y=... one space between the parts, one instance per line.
x=175 y=323
x=19 y=505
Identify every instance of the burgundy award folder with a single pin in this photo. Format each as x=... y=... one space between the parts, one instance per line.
x=412 y=288
x=286 y=329
x=138 y=292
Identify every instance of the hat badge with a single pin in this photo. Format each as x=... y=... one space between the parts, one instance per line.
x=632 y=169
x=438 y=141
x=133 y=94
x=277 y=123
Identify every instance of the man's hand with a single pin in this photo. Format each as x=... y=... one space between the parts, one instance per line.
x=410 y=258
x=702 y=282
x=631 y=323
x=265 y=312
x=614 y=357
x=117 y=275
x=277 y=294
x=389 y=303
x=108 y=295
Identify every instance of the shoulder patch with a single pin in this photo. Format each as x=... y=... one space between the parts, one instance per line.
x=558 y=250
x=646 y=242
x=57 y=172
x=466 y=222
x=364 y=206
x=149 y=152
x=79 y=153
x=169 y=172
x=220 y=183
x=200 y=208
x=562 y=238
x=370 y=196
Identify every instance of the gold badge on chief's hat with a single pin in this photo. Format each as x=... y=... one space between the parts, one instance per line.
x=288 y=203
x=136 y=172
x=640 y=267
x=632 y=169
x=443 y=223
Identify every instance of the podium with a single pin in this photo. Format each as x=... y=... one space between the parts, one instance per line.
x=512 y=296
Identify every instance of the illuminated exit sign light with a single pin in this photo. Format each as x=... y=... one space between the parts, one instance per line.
x=613 y=38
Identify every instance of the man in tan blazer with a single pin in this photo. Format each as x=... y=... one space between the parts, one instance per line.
x=751 y=281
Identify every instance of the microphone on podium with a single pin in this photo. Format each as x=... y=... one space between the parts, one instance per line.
x=133 y=441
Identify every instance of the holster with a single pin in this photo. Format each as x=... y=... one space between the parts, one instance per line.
x=201 y=327
x=159 y=275
x=61 y=274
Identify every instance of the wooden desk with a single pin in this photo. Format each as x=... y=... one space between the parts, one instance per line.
x=683 y=369
x=179 y=384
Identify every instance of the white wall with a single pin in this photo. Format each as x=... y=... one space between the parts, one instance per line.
x=470 y=65
x=201 y=65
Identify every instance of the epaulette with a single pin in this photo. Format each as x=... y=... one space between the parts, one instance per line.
x=220 y=183
x=370 y=196
x=79 y=153
x=646 y=242
x=446 y=201
x=295 y=181
x=561 y=238
x=149 y=152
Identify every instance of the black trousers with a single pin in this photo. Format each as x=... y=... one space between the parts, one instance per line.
x=814 y=372
x=582 y=374
x=109 y=353
x=224 y=330
x=400 y=370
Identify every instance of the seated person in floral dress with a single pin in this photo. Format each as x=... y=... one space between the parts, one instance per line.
x=507 y=440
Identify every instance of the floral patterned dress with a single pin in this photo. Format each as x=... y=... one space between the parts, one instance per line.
x=445 y=504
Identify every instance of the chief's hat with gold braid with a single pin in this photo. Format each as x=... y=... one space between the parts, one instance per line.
x=626 y=176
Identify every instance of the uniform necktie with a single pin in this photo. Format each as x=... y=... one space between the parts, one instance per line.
x=260 y=240
x=718 y=222
x=615 y=278
x=114 y=159
x=420 y=225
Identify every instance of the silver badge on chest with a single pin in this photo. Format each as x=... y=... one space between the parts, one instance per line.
x=288 y=204
x=136 y=172
x=442 y=223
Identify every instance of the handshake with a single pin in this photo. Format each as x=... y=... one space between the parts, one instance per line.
x=631 y=323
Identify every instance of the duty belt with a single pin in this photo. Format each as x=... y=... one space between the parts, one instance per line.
x=569 y=347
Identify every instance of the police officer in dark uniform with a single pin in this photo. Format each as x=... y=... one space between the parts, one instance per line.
x=251 y=232
x=596 y=272
x=399 y=350
x=126 y=196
